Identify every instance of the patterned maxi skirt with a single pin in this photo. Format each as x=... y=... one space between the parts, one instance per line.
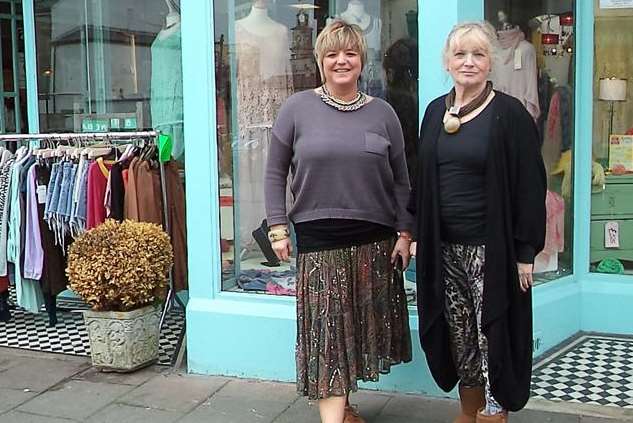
x=352 y=318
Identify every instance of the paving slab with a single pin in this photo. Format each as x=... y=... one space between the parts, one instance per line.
x=133 y=379
x=74 y=399
x=420 y=408
x=301 y=410
x=121 y=413
x=236 y=410
x=369 y=403
x=10 y=398
x=19 y=417
x=36 y=374
x=174 y=392
x=266 y=391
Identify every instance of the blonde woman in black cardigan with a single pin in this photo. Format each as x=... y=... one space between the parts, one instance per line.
x=479 y=202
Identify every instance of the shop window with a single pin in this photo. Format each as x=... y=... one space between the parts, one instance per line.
x=611 y=245
x=12 y=81
x=110 y=65
x=535 y=63
x=264 y=54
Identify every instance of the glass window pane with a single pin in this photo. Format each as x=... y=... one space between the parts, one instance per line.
x=611 y=246
x=536 y=65
x=264 y=54
x=6 y=32
x=115 y=61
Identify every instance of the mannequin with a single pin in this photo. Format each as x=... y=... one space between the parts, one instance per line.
x=172 y=18
x=504 y=21
x=166 y=82
x=356 y=14
x=372 y=78
x=515 y=72
x=264 y=81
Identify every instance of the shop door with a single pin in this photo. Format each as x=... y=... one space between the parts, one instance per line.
x=12 y=81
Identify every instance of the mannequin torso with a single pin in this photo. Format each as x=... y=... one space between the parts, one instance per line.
x=356 y=14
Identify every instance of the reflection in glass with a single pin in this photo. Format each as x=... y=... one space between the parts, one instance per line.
x=535 y=65
x=264 y=54
x=611 y=246
x=110 y=65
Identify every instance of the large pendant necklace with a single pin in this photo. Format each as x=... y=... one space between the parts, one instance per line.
x=453 y=121
x=344 y=106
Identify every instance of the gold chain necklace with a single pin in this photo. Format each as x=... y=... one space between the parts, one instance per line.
x=344 y=106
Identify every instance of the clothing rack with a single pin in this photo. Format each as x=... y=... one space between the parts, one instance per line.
x=112 y=136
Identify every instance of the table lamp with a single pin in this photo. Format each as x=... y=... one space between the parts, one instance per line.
x=612 y=90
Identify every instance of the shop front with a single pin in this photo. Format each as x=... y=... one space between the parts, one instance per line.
x=554 y=56
x=213 y=74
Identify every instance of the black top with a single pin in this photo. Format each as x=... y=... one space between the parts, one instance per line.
x=515 y=186
x=461 y=165
x=330 y=234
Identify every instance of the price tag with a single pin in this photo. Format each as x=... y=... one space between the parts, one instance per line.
x=517 y=59
x=611 y=235
x=41 y=194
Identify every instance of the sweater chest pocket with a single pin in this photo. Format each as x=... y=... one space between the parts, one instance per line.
x=376 y=144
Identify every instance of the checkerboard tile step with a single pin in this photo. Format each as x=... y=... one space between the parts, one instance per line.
x=31 y=332
x=594 y=369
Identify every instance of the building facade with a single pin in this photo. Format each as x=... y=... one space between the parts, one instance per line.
x=214 y=73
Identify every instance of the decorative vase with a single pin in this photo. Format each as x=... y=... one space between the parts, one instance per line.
x=123 y=341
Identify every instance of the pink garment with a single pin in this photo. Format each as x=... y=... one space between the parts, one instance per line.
x=555 y=224
x=553 y=138
x=97 y=181
x=510 y=78
x=33 y=251
x=276 y=289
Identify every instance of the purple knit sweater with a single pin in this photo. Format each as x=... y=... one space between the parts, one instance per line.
x=346 y=165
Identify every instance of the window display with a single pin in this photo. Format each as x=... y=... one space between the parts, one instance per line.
x=535 y=64
x=611 y=245
x=264 y=54
x=12 y=79
x=110 y=65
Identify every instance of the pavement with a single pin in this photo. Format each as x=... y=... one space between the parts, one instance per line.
x=52 y=388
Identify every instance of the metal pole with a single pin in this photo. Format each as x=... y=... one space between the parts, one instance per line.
x=82 y=135
x=170 y=293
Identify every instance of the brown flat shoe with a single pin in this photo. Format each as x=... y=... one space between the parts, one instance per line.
x=352 y=416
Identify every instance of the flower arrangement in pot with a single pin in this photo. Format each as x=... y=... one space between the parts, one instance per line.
x=121 y=271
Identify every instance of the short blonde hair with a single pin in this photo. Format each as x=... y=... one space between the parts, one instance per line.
x=336 y=36
x=481 y=33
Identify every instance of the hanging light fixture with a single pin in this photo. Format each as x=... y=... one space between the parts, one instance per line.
x=549 y=39
x=567 y=19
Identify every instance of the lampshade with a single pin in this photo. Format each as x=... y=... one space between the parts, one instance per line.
x=612 y=89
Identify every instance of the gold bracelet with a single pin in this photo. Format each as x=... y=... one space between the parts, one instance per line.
x=278 y=234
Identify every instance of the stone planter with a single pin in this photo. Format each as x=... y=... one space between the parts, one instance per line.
x=123 y=341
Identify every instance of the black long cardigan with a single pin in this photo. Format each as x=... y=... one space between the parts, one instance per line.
x=515 y=189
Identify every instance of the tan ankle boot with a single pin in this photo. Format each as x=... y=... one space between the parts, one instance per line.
x=352 y=416
x=472 y=400
x=495 y=418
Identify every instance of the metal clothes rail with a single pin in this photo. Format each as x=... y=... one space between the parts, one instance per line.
x=105 y=136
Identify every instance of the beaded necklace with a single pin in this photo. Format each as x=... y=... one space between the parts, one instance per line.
x=344 y=106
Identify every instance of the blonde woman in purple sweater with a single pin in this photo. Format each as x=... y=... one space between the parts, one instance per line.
x=344 y=151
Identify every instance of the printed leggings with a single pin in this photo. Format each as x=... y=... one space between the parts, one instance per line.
x=463 y=267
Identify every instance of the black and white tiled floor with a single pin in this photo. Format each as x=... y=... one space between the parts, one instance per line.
x=592 y=369
x=30 y=331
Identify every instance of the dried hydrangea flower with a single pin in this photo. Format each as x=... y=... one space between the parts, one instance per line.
x=120 y=266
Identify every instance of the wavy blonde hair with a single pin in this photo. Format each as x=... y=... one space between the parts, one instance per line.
x=481 y=33
x=336 y=36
